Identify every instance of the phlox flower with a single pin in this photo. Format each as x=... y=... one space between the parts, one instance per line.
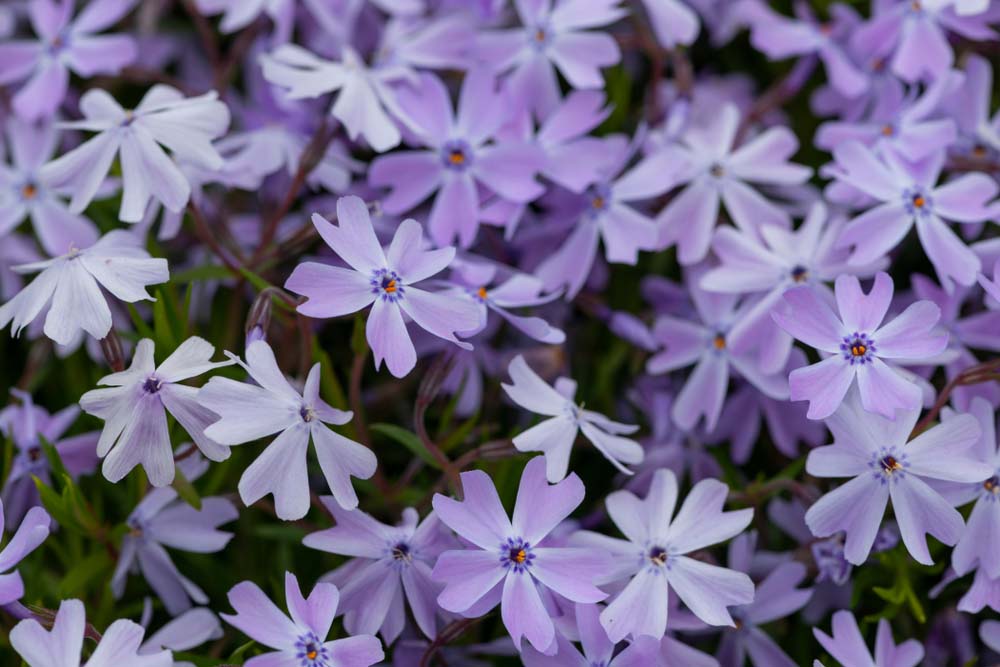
x=28 y=425
x=32 y=531
x=907 y=195
x=653 y=559
x=673 y=22
x=192 y=628
x=388 y=564
x=989 y=632
x=461 y=152
x=164 y=118
x=972 y=109
x=70 y=286
x=507 y=560
x=61 y=646
x=25 y=193
x=553 y=35
x=883 y=463
x=385 y=280
x=300 y=639
x=857 y=343
x=595 y=647
x=64 y=44
x=134 y=408
x=554 y=437
x=847 y=646
x=163 y=520
x=717 y=171
x=249 y=412
x=366 y=103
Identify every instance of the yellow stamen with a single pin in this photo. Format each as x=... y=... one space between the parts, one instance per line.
x=481 y=292
x=887 y=130
x=919 y=201
x=391 y=287
x=890 y=464
x=29 y=191
x=719 y=342
x=312 y=654
x=520 y=557
x=456 y=157
x=858 y=350
x=597 y=202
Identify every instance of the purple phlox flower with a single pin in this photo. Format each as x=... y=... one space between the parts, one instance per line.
x=899 y=121
x=673 y=22
x=508 y=560
x=249 y=412
x=134 y=408
x=31 y=532
x=442 y=42
x=597 y=649
x=189 y=630
x=28 y=425
x=913 y=36
x=857 y=341
x=519 y=290
x=24 y=193
x=462 y=153
x=874 y=452
x=777 y=596
x=572 y=158
x=238 y=14
x=70 y=286
x=554 y=437
x=772 y=261
x=302 y=638
x=161 y=520
x=989 y=632
x=706 y=340
x=384 y=280
x=387 y=564
x=781 y=37
x=554 y=34
x=608 y=210
x=978 y=131
x=984 y=592
x=366 y=103
x=847 y=646
x=61 y=646
x=64 y=44
x=15 y=250
x=716 y=171
x=981 y=538
x=747 y=409
x=653 y=556
x=163 y=118
x=978 y=330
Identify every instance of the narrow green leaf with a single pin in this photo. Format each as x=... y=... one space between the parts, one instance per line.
x=408 y=440
x=185 y=489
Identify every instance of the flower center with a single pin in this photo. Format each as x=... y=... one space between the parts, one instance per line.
x=719 y=342
x=152 y=384
x=658 y=556
x=310 y=651
x=799 y=273
x=29 y=191
x=516 y=554
x=889 y=465
x=387 y=284
x=456 y=155
x=307 y=413
x=979 y=150
x=401 y=552
x=857 y=348
x=717 y=170
x=34 y=454
x=992 y=485
x=887 y=130
x=598 y=202
x=917 y=202
x=481 y=293
x=540 y=36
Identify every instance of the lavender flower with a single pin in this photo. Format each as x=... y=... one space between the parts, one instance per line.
x=249 y=412
x=717 y=171
x=384 y=280
x=60 y=647
x=989 y=632
x=971 y=106
x=26 y=194
x=163 y=118
x=387 y=564
x=847 y=646
x=554 y=437
x=508 y=561
x=673 y=21
x=192 y=628
x=910 y=197
x=553 y=35
x=134 y=408
x=69 y=285
x=597 y=649
x=32 y=531
x=302 y=638
x=162 y=520
x=874 y=452
x=857 y=343
x=64 y=45
x=653 y=556
x=28 y=425
x=461 y=153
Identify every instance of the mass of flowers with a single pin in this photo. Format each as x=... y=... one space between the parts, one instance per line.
x=473 y=333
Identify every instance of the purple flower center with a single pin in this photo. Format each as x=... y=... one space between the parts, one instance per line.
x=717 y=170
x=992 y=486
x=889 y=465
x=457 y=155
x=917 y=202
x=401 y=552
x=516 y=554
x=829 y=557
x=152 y=384
x=307 y=413
x=311 y=652
x=799 y=273
x=857 y=348
x=540 y=36
x=387 y=284
x=29 y=191
x=658 y=556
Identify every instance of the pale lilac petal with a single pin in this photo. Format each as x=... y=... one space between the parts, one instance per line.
x=855 y=508
x=340 y=459
x=468 y=576
x=480 y=518
x=921 y=511
x=408 y=257
x=55 y=648
x=859 y=311
x=703 y=393
x=388 y=338
x=964 y=199
x=908 y=334
x=280 y=470
x=875 y=232
x=360 y=651
x=331 y=291
x=523 y=613
x=353 y=238
x=884 y=390
x=708 y=589
x=411 y=176
x=689 y=219
x=570 y=572
x=259 y=618
x=701 y=520
x=810 y=319
x=441 y=314
x=455 y=212
x=640 y=609
x=540 y=507
x=952 y=259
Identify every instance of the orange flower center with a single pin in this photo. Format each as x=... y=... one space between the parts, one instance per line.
x=391 y=286
x=481 y=292
x=719 y=342
x=858 y=350
x=29 y=191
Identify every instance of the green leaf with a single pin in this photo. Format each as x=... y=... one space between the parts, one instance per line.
x=241 y=651
x=201 y=273
x=359 y=344
x=55 y=461
x=55 y=505
x=185 y=489
x=259 y=283
x=408 y=439
x=85 y=574
x=140 y=324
